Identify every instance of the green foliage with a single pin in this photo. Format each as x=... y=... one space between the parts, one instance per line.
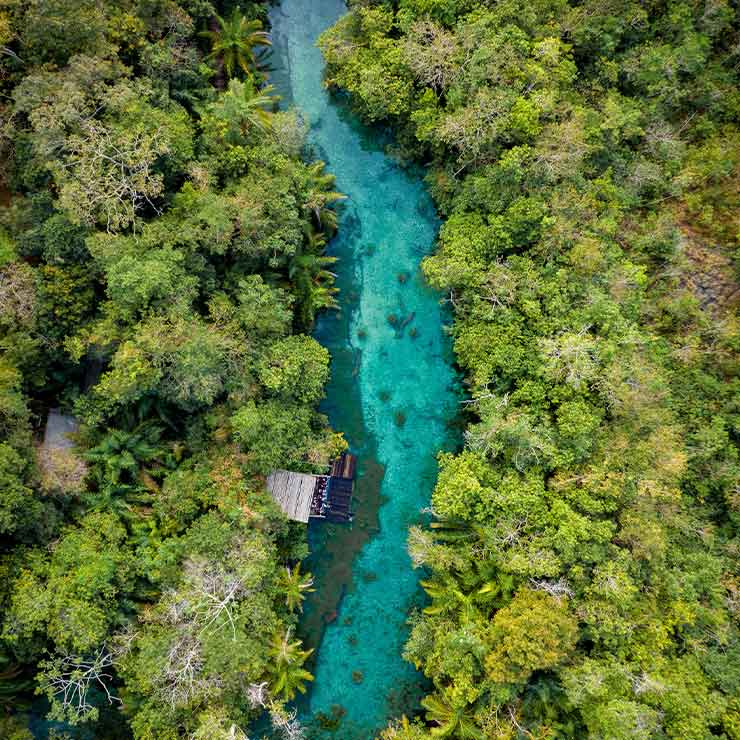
x=404 y=730
x=584 y=157
x=18 y=508
x=71 y=597
x=241 y=111
x=163 y=242
x=233 y=43
x=287 y=673
x=533 y=633
x=376 y=74
x=187 y=362
x=209 y=634
x=296 y=586
x=263 y=311
x=53 y=31
x=450 y=719
x=270 y=431
x=14 y=728
x=295 y=369
x=108 y=148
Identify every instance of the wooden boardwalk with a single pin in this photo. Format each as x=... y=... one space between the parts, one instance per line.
x=344 y=466
x=302 y=496
x=293 y=493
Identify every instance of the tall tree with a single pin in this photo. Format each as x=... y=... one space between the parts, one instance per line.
x=233 y=43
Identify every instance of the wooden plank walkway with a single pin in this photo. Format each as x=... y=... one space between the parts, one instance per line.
x=302 y=496
x=344 y=466
x=292 y=492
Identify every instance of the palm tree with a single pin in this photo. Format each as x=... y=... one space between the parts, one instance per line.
x=313 y=283
x=496 y=588
x=257 y=106
x=453 y=720
x=320 y=196
x=313 y=265
x=120 y=456
x=447 y=597
x=244 y=108
x=233 y=44
x=124 y=466
x=315 y=240
x=452 y=530
x=296 y=585
x=288 y=673
x=544 y=699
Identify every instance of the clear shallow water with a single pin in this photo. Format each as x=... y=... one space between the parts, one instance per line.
x=393 y=392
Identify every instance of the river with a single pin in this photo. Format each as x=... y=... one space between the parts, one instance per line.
x=393 y=392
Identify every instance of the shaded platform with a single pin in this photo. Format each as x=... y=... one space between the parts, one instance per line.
x=339 y=498
x=302 y=496
x=59 y=427
x=293 y=493
x=344 y=466
x=62 y=469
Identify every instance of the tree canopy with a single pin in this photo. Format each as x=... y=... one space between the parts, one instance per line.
x=582 y=563
x=161 y=262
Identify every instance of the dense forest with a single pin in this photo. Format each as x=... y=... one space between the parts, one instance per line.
x=161 y=245
x=585 y=157
x=162 y=261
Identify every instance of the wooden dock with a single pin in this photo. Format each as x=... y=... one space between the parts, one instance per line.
x=302 y=496
x=344 y=466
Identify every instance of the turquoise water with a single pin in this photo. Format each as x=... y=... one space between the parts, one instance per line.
x=393 y=392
